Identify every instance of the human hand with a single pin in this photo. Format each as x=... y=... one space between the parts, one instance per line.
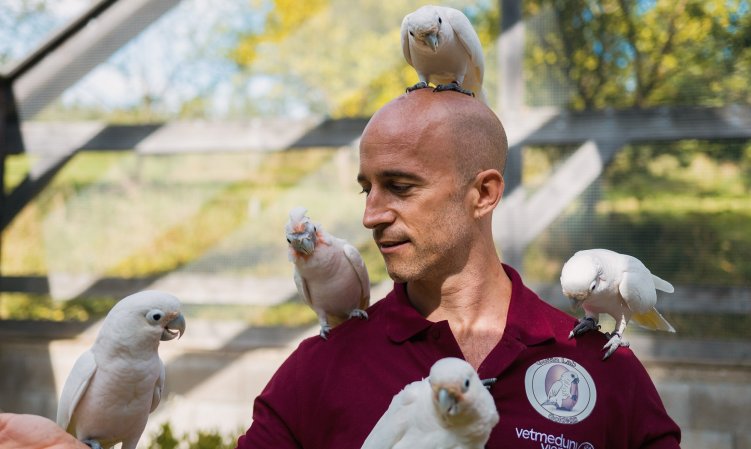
x=34 y=432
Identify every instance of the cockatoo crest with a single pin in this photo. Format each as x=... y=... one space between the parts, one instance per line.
x=301 y=233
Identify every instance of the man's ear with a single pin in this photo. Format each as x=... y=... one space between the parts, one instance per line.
x=488 y=186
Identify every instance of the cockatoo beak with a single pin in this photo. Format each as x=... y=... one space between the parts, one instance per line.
x=432 y=41
x=446 y=401
x=174 y=328
x=304 y=246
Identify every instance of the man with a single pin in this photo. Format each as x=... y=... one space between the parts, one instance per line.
x=431 y=168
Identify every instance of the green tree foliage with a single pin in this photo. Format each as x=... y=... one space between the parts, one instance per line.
x=624 y=53
x=339 y=57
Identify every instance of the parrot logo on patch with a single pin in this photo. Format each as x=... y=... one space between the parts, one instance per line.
x=564 y=392
x=560 y=389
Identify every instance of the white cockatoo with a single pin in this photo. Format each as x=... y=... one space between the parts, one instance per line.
x=330 y=274
x=603 y=281
x=449 y=409
x=114 y=385
x=443 y=47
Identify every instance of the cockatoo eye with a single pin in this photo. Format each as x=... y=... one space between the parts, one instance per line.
x=289 y=241
x=154 y=315
x=412 y=34
x=593 y=285
x=440 y=21
x=466 y=385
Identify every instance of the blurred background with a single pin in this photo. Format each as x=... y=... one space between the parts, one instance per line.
x=162 y=143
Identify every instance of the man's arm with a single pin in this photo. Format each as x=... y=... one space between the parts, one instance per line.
x=656 y=430
x=34 y=432
x=275 y=411
x=268 y=430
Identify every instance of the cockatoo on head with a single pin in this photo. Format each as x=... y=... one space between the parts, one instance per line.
x=443 y=47
x=330 y=274
x=450 y=409
x=113 y=386
x=603 y=281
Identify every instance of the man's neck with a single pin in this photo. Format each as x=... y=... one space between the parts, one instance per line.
x=475 y=303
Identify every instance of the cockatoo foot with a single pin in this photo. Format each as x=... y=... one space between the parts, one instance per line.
x=614 y=343
x=93 y=444
x=359 y=313
x=487 y=383
x=325 y=329
x=453 y=86
x=420 y=85
x=586 y=324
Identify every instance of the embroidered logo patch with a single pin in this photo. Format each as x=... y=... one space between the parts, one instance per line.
x=560 y=390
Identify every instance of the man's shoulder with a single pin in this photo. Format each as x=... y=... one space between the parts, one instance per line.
x=358 y=333
x=588 y=345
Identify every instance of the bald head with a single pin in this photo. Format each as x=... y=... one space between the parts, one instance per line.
x=461 y=127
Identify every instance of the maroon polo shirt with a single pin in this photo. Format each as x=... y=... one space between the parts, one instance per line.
x=552 y=392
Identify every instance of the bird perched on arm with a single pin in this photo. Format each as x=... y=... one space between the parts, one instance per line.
x=603 y=281
x=330 y=274
x=113 y=386
x=450 y=409
x=443 y=47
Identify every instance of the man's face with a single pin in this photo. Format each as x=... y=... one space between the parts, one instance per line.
x=416 y=203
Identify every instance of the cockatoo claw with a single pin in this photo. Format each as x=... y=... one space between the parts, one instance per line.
x=359 y=313
x=614 y=343
x=93 y=444
x=487 y=383
x=420 y=85
x=585 y=324
x=453 y=86
x=325 y=329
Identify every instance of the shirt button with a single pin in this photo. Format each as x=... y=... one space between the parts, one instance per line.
x=435 y=333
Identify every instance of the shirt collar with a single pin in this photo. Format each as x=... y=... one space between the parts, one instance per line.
x=526 y=321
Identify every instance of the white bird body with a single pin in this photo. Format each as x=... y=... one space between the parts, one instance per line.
x=113 y=386
x=451 y=409
x=604 y=281
x=443 y=47
x=329 y=273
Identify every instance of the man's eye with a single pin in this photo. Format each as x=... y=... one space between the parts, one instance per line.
x=365 y=190
x=400 y=188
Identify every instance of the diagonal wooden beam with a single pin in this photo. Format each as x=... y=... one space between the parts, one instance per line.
x=37 y=85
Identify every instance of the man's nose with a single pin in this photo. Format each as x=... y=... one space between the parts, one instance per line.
x=377 y=213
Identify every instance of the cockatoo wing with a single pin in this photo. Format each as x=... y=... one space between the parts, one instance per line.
x=554 y=389
x=662 y=284
x=354 y=258
x=302 y=288
x=405 y=41
x=395 y=422
x=468 y=38
x=158 y=387
x=75 y=387
x=637 y=289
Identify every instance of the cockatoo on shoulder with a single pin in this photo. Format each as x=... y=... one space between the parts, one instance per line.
x=330 y=274
x=603 y=281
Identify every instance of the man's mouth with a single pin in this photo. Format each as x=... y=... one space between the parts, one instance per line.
x=390 y=245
